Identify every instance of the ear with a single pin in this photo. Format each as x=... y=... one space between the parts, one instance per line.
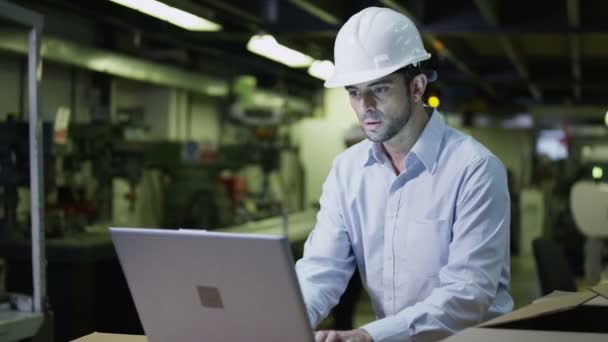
x=418 y=86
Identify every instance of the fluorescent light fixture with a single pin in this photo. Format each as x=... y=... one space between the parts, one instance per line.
x=170 y=14
x=265 y=45
x=606 y=118
x=321 y=69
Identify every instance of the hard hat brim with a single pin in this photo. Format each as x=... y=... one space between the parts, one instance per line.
x=336 y=81
x=343 y=80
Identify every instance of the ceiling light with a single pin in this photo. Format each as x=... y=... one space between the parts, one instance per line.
x=170 y=14
x=265 y=45
x=606 y=118
x=321 y=69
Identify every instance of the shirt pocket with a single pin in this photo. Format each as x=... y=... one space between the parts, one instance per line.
x=425 y=249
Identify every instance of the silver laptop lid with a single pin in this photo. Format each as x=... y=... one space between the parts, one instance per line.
x=207 y=286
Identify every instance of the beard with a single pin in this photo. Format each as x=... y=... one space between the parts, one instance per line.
x=389 y=126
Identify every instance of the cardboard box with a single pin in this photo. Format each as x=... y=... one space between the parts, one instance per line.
x=554 y=318
x=99 y=337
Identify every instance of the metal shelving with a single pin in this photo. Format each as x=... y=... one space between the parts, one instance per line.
x=16 y=325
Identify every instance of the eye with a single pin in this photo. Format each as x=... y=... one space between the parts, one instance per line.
x=381 y=90
x=353 y=92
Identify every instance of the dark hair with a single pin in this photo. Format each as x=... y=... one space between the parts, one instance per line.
x=409 y=72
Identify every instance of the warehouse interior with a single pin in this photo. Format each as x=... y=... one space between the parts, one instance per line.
x=147 y=124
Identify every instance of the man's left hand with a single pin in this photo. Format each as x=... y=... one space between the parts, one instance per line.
x=357 y=335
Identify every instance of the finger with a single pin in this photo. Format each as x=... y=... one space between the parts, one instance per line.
x=320 y=336
x=353 y=338
x=333 y=336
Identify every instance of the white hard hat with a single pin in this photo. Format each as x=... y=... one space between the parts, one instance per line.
x=374 y=43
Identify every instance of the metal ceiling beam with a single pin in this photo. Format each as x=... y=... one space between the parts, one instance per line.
x=574 y=20
x=233 y=10
x=317 y=11
x=574 y=15
x=195 y=42
x=475 y=29
x=561 y=84
x=21 y=15
x=442 y=49
x=116 y=64
x=490 y=15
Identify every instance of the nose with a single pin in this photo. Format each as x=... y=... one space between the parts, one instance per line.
x=369 y=102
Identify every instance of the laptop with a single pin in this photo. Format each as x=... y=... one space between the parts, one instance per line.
x=207 y=286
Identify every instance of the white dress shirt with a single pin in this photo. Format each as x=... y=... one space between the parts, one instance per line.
x=431 y=244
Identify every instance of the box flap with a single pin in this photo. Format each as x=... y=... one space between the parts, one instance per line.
x=99 y=337
x=510 y=335
x=544 y=307
x=553 y=295
x=602 y=290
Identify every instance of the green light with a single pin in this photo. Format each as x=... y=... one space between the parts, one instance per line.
x=597 y=172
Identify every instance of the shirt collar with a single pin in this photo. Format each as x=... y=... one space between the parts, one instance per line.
x=426 y=148
x=376 y=154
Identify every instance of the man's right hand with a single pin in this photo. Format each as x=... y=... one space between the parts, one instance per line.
x=357 y=335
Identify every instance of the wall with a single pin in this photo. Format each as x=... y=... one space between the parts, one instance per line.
x=177 y=115
x=81 y=112
x=153 y=100
x=156 y=102
x=54 y=91
x=321 y=139
x=514 y=147
x=58 y=81
x=170 y=114
x=204 y=119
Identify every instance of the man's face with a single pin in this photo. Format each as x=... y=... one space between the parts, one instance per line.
x=383 y=106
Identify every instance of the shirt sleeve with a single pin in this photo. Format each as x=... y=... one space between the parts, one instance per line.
x=478 y=253
x=328 y=262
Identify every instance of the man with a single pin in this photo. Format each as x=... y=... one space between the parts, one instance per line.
x=420 y=209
